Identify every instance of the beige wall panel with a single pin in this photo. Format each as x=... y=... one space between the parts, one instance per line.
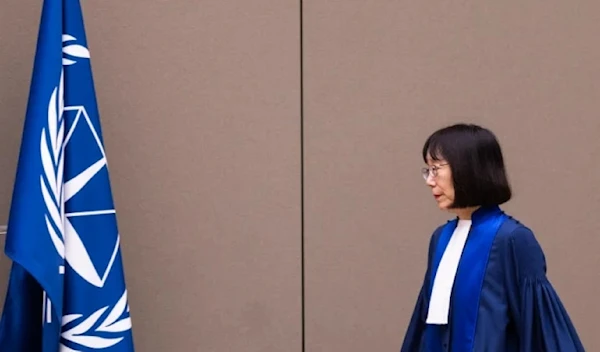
x=380 y=76
x=200 y=109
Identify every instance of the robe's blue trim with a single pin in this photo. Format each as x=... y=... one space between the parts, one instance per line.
x=469 y=278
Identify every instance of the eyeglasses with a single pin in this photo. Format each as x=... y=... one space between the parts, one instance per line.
x=433 y=170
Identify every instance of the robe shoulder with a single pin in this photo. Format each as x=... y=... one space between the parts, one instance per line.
x=539 y=315
x=519 y=245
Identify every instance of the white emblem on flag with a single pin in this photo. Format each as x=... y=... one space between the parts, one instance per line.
x=82 y=333
x=74 y=50
x=56 y=191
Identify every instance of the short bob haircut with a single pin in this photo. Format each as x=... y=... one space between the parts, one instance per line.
x=476 y=161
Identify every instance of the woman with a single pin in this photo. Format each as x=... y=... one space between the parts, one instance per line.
x=485 y=288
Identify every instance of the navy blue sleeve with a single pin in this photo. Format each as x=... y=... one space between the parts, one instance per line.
x=415 y=333
x=541 y=320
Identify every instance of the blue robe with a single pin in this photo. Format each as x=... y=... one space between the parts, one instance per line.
x=511 y=308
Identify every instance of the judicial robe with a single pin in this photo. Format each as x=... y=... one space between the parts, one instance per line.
x=501 y=299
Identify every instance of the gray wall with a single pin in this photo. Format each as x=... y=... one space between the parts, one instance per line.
x=201 y=108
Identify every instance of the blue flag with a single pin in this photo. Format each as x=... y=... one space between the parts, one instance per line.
x=66 y=290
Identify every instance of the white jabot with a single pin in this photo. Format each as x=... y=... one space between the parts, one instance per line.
x=439 y=303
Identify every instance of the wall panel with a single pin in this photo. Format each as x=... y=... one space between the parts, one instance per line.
x=200 y=109
x=379 y=78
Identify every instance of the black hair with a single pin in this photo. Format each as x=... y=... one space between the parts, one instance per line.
x=475 y=158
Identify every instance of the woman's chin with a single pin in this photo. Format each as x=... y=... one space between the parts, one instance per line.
x=444 y=205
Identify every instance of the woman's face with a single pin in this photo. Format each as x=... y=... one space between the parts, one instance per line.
x=439 y=179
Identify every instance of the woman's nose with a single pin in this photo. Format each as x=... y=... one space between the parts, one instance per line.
x=430 y=180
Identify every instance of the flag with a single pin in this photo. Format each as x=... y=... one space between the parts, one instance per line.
x=66 y=289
